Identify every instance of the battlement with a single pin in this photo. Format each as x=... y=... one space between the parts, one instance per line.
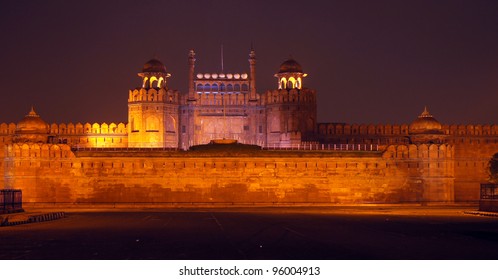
x=34 y=150
x=471 y=129
x=7 y=128
x=422 y=151
x=362 y=129
x=402 y=129
x=220 y=99
x=290 y=96
x=153 y=95
x=87 y=128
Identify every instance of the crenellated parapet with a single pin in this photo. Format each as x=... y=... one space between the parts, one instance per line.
x=7 y=128
x=154 y=95
x=362 y=129
x=458 y=130
x=38 y=151
x=87 y=128
x=419 y=151
x=292 y=96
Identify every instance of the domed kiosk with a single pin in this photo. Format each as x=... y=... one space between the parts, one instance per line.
x=154 y=74
x=290 y=75
x=31 y=129
x=154 y=66
x=290 y=66
x=426 y=129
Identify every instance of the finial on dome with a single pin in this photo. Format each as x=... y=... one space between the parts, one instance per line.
x=425 y=113
x=32 y=113
x=191 y=53
x=252 y=52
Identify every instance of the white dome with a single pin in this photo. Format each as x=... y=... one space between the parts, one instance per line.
x=214 y=75
x=207 y=75
x=222 y=75
x=199 y=76
x=229 y=76
x=243 y=76
x=236 y=76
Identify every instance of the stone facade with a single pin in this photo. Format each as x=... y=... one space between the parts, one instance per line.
x=160 y=155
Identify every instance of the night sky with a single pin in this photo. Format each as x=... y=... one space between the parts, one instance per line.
x=370 y=61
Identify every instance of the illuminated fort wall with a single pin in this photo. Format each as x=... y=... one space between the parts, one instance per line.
x=474 y=146
x=420 y=161
x=53 y=173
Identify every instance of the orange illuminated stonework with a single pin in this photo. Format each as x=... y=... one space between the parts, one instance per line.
x=162 y=154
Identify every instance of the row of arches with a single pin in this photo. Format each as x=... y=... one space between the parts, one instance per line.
x=221 y=99
x=153 y=82
x=215 y=87
x=290 y=83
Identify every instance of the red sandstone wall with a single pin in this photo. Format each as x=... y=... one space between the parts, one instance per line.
x=472 y=156
x=52 y=173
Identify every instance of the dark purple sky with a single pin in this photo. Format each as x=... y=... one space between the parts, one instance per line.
x=370 y=61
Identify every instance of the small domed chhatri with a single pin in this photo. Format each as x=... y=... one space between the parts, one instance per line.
x=154 y=66
x=290 y=66
x=31 y=129
x=425 y=123
x=290 y=75
x=32 y=123
x=154 y=74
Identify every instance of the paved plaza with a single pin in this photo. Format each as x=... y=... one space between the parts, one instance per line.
x=257 y=233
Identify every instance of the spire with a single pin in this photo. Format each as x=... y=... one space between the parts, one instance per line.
x=425 y=113
x=252 y=75
x=222 y=70
x=191 y=54
x=191 y=63
x=32 y=113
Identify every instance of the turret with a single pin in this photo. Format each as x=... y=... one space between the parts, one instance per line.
x=154 y=74
x=191 y=67
x=153 y=109
x=290 y=75
x=252 y=75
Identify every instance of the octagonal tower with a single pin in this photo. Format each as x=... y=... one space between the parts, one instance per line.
x=153 y=109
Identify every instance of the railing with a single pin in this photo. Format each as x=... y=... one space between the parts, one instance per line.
x=489 y=191
x=119 y=149
x=296 y=147
x=325 y=147
x=10 y=200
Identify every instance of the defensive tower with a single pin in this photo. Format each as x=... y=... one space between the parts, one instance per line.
x=153 y=109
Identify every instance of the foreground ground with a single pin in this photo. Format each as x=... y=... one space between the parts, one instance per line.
x=257 y=233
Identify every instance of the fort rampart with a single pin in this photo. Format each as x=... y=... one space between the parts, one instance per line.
x=55 y=173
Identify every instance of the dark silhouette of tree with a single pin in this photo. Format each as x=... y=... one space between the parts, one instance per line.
x=493 y=168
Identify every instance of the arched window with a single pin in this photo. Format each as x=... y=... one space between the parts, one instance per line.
x=245 y=87
x=230 y=88
x=152 y=80
x=152 y=124
x=207 y=87
x=236 y=88
x=291 y=83
x=222 y=87
x=199 y=87
x=214 y=88
x=159 y=82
